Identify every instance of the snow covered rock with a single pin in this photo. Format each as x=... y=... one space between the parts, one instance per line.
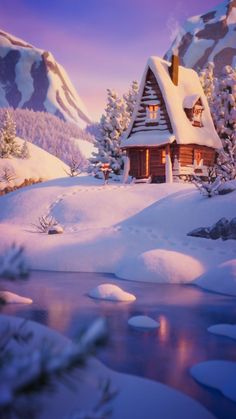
x=162 y=266
x=143 y=322
x=111 y=292
x=57 y=229
x=224 y=229
x=11 y=298
x=228 y=330
x=221 y=278
x=220 y=375
x=31 y=78
x=208 y=38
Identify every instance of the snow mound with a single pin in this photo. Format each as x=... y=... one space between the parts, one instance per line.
x=228 y=330
x=221 y=278
x=143 y=322
x=40 y=165
x=220 y=375
x=162 y=266
x=111 y=292
x=11 y=298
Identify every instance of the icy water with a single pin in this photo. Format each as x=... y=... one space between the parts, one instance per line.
x=166 y=354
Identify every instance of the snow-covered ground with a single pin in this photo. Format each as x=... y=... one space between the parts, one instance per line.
x=136 y=397
x=40 y=165
x=138 y=231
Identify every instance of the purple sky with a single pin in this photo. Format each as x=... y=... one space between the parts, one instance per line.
x=101 y=43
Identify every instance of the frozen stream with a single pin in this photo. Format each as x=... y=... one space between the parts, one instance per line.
x=165 y=354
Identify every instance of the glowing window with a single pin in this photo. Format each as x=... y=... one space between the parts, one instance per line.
x=163 y=156
x=197 y=157
x=152 y=112
x=197 y=116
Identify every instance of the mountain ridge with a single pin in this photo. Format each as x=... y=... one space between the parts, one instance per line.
x=31 y=78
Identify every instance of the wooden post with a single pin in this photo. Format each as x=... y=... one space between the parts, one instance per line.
x=168 y=166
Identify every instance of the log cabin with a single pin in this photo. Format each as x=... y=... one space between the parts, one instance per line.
x=171 y=134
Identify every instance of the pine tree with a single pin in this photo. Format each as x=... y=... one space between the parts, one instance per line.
x=221 y=95
x=112 y=124
x=8 y=144
x=130 y=98
x=24 y=154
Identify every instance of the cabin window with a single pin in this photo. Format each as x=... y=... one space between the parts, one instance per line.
x=197 y=157
x=152 y=113
x=163 y=156
x=197 y=116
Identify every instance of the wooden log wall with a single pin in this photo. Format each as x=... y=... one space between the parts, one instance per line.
x=151 y=94
x=185 y=154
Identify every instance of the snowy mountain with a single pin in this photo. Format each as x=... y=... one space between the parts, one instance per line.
x=31 y=78
x=209 y=37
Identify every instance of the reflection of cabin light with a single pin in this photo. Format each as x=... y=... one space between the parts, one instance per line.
x=183 y=351
x=147 y=162
x=163 y=329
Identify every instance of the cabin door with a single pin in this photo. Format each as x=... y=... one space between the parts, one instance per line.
x=139 y=163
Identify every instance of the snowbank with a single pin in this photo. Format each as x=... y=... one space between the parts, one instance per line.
x=143 y=322
x=228 y=330
x=135 y=397
x=10 y=297
x=161 y=265
x=138 y=231
x=111 y=292
x=221 y=278
x=220 y=375
x=40 y=165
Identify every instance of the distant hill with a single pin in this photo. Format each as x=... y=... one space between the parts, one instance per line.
x=39 y=165
x=31 y=78
x=209 y=37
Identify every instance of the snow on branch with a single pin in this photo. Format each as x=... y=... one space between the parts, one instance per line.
x=23 y=374
x=13 y=264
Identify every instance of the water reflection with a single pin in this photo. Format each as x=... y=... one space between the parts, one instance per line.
x=165 y=354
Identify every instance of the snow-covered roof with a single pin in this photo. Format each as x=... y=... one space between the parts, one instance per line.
x=175 y=97
x=190 y=101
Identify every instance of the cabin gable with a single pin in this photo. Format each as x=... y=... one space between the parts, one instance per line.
x=152 y=114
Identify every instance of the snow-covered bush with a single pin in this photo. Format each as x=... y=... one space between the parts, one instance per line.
x=45 y=223
x=13 y=264
x=207 y=188
x=48 y=132
x=7 y=174
x=74 y=167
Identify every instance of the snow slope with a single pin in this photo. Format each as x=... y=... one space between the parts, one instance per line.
x=209 y=37
x=31 y=78
x=40 y=164
x=108 y=227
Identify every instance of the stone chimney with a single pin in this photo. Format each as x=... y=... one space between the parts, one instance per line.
x=174 y=69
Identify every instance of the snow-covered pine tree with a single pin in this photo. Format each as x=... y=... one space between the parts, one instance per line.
x=24 y=154
x=221 y=95
x=130 y=98
x=113 y=123
x=8 y=144
x=207 y=80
